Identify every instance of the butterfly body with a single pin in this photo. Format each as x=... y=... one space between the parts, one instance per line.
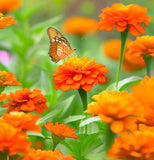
x=59 y=46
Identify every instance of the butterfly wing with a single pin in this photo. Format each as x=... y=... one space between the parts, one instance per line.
x=59 y=46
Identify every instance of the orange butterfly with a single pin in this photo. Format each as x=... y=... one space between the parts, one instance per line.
x=59 y=46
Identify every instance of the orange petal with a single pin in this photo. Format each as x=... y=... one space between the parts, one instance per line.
x=77 y=77
x=69 y=81
x=101 y=79
x=121 y=28
x=87 y=87
x=65 y=87
x=105 y=118
x=133 y=31
x=75 y=86
x=117 y=126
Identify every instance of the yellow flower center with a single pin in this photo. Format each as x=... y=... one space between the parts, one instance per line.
x=1 y=16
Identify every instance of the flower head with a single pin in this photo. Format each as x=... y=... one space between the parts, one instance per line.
x=124 y=17
x=131 y=63
x=115 y=108
x=8 y=79
x=133 y=146
x=6 y=21
x=3 y=97
x=9 y=5
x=60 y=130
x=26 y=100
x=143 y=45
x=12 y=140
x=46 y=155
x=146 y=117
x=112 y=48
x=80 y=25
x=75 y=73
x=144 y=92
x=23 y=121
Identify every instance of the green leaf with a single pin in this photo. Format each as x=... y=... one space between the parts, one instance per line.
x=100 y=156
x=47 y=116
x=89 y=120
x=73 y=118
x=3 y=110
x=2 y=67
x=44 y=82
x=86 y=144
x=18 y=15
x=19 y=33
x=124 y=83
x=30 y=12
x=64 y=105
x=35 y=134
x=43 y=25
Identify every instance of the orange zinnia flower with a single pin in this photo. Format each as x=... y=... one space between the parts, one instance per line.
x=144 y=92
x=26 y=100
x=80 y=25
x=9 y=5
x=8 y=79
x=133 y=146
x=75 y=73
x=146 y=117
x=112 y=48
x=131 y=63
x=13 y=141
x=3 y=97
x=124 y=17
x=60 y=130
x=115 y=108
x=6 y=21
x=23 y=121
x=143 y=45
x=46 y=155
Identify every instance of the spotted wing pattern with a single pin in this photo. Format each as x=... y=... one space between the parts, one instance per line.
x=59 y=46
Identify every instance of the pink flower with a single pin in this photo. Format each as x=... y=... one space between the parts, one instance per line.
x=5 y=58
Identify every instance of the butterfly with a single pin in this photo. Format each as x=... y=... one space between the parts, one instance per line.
x=59 y=45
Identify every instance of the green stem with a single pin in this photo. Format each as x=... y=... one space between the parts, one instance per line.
x=13 y=158
x=109 y=137
x=83 y=96
x=148 y=61
x=54 y=146
x=3 y=155
x=123 y=42
x=80 y=44
x=56 y=141
x=1 y=89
